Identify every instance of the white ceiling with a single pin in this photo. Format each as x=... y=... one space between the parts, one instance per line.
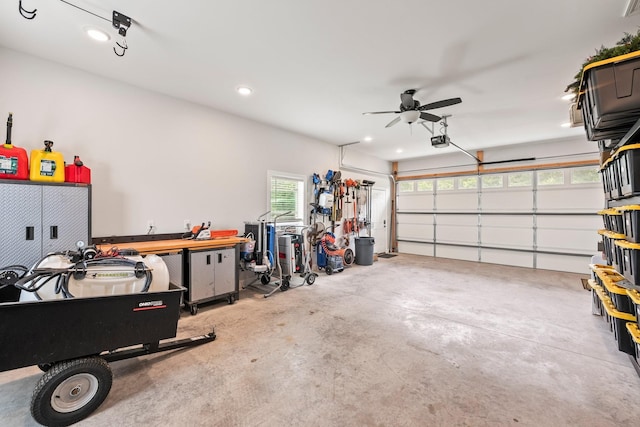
x=316 y=66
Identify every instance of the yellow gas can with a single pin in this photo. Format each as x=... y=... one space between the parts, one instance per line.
x=47 y=165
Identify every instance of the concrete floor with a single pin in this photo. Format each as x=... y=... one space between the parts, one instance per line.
x=408 y=341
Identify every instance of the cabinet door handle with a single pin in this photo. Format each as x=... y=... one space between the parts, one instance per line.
x=30 y=233
x=219 y=258
x=53 y=232
x=208 y=259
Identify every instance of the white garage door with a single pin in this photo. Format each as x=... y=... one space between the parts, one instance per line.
x=541 y=219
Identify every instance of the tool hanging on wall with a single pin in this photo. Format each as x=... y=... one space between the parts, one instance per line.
x=118 y=20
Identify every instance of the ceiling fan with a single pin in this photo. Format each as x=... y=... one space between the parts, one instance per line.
x=411 y=110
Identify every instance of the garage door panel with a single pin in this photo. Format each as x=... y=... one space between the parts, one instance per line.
x=415 y=231
x=523 y=221
x=570 y=199
x=457 y=201
x=591 y=222
x=572 y=264
x=518 y=259
x=507 y=201
x=519 y=238
x=457 y=220
x=415 y=202
x=457 y=252
x=415 y=248
x=562 y=240
x=457 y=234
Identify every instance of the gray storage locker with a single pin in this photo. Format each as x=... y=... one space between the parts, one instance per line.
x=39 y=218
x=212 y=275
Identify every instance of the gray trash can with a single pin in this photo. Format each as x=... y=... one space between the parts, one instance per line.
x=364 y=250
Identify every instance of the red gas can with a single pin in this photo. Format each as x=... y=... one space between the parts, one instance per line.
x=77 y=172
x=14 y=162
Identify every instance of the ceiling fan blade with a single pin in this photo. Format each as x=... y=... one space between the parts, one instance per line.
x=440 y=104
x=382 y=112
x=429 y=117
x=407 y=100
x=393 y=122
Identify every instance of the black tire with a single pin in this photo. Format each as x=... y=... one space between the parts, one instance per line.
x=44 y=367
x=265 y=279
x=329 y=270
x=348 y=256
x=311 y=278
x=70 y=391
x=193 y=309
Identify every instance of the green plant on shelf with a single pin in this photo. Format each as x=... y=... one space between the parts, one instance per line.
x=629 y=43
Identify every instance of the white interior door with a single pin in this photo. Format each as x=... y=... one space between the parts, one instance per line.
x=379 y=230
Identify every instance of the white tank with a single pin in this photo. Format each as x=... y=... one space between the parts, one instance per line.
x=101 y=279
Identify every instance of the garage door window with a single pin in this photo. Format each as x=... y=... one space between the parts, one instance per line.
x=467 y=182
x=406 y=186
x=585 y=175
x=521 y=179
x=425 y=185
x=492 y=181
x=446 y=184
x=551 y=177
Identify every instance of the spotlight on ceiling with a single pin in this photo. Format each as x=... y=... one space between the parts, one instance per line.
x=96 y=34
x=244 y=90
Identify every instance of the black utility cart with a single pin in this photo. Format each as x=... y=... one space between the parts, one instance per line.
x=72 y=341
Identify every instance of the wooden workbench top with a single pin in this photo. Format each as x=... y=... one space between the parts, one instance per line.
x=162 y=246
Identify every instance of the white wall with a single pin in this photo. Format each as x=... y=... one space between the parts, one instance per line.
x=154 y=157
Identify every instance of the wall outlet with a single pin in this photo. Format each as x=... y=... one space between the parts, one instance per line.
x=187 y=224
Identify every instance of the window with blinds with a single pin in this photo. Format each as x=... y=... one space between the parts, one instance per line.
x=286 y=195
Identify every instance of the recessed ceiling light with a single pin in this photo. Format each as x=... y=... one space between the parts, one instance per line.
x=399 y=150
x=566 y=125
x=569 y=97
x=97 y=35
x=244 y=90
x=367 y=139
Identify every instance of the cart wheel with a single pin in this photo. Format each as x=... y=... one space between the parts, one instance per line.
x=193 y=309
x=231 y=299
x=70 y=391
x=311 y=278
x=44 y=367
x=265 y=279
x=328 y=270
x=348 y=256
x=285 y=285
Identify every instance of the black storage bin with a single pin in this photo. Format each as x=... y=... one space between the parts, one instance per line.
x=631 y=222
x=608 y=241
x=634 y=296
x=612 y=220
x=627 y=168
x=609 y=180
x=610 y=96
x=619 y=297
x=634 y=333
x=618 y=323
x=629 y=259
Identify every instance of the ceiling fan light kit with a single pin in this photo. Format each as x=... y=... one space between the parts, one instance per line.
x=410 y=110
